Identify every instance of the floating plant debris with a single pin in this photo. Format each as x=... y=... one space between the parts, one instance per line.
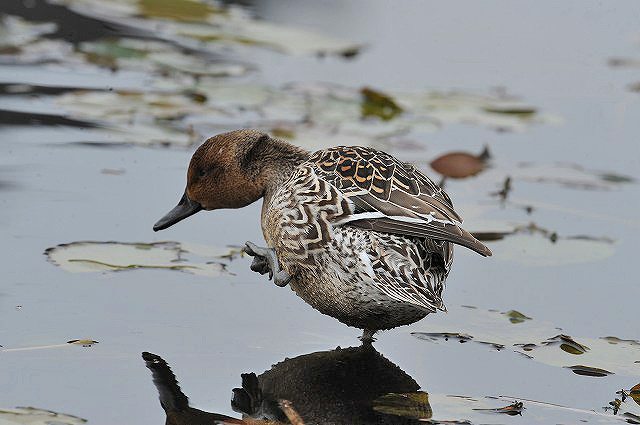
x=570 y=175
x=181 y=113
x=615 y=340
x=513 y=409
x=378 y=104
x=530 y=338
x=93 y=256
x=516 y=317
x=546 y=247
x=537 y=250
x=503 y=193
x=634 y=393
x=567 y=344
x=446 y=336
x=198 y=24
x=589 y=371
x=523 y=111
x=83 y=342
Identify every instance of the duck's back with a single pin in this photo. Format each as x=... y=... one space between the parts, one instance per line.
x=364 y=235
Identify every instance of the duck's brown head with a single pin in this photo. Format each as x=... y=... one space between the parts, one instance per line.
x=231 y=170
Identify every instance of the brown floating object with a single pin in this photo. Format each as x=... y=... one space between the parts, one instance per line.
x=635 y=393
x=460 y=165
x=589 y=371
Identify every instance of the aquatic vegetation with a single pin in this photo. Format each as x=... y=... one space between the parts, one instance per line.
x=516 y=317
x=598 y=356
x=93 y=256
x=86 y=342
x=512 y=410
x=378 y=104
x=589 y=371
x=35 y=416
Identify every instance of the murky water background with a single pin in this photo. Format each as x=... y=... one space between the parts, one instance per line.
x=574 y=160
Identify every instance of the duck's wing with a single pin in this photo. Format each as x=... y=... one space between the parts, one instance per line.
x=390 y=196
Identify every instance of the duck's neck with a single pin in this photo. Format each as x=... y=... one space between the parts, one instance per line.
x=277 y=160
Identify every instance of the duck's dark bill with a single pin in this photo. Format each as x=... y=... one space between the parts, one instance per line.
x=185 y=208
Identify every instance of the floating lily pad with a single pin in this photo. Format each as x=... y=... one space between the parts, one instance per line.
x=531 y=338
x=196 y=23
x=35 y=416
x=310 y=115
x=459 y=165
x=539 y=251
x=90 y=256
x=571 y=176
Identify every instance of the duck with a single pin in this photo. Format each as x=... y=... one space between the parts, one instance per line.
x=357 y=234
x=352 y=385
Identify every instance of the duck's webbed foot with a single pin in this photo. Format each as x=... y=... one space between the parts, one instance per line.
x=367 y=337
x=266 y=261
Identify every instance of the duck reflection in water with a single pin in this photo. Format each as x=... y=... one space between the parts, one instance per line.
x=354 y=385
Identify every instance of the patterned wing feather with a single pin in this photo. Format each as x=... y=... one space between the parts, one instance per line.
x=391 y=196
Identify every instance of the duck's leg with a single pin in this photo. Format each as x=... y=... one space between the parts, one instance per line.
x=367 y=337
x=266 y=261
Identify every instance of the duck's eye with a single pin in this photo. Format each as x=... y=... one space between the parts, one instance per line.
x=202 y=173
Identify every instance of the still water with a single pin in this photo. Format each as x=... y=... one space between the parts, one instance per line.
x=101 y=107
